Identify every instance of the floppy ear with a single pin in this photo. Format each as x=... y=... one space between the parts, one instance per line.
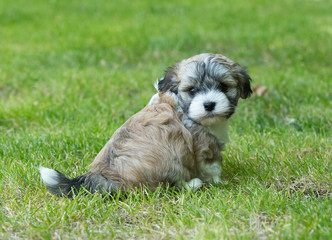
x=169 y=82
x=239 y=73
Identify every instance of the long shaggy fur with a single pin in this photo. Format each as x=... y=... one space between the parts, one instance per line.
x=176 y=139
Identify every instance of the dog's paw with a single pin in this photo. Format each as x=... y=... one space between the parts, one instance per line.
x=215 y=180
x=194 y=184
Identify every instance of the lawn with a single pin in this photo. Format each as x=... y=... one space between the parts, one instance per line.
x=71 y=72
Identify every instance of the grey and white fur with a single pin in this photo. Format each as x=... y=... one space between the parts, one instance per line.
x=176 y=139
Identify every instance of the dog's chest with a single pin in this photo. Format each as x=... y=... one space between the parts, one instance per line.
x=220 y=131
x=206 y=145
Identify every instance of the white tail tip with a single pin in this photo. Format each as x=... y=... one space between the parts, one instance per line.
x=49 y=176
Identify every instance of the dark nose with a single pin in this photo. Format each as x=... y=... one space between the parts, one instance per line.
x=209 y=106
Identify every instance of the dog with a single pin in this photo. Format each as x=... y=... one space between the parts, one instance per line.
x=175 y=140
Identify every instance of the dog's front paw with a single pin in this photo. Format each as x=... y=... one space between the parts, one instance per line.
x=194 y=184
x=216 y=180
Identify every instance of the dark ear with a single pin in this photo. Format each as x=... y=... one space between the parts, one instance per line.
x=168 y=82
x=239 y=73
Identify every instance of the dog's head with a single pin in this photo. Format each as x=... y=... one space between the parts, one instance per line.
x=207 y=86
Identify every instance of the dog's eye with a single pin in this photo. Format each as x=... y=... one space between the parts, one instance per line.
x=193 y=91
x=222 y=87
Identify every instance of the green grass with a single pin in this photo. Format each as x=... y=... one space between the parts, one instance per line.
x=71 y=72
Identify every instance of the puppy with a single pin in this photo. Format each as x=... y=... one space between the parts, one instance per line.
x=176 y=139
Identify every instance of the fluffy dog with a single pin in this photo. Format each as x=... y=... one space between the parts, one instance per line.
x=176 y=139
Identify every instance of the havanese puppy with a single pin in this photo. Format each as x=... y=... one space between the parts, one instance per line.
x=176 y=139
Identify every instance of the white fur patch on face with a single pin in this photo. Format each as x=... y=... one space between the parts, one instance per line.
x=198 y=112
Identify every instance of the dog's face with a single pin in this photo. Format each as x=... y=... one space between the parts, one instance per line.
x=207 y=87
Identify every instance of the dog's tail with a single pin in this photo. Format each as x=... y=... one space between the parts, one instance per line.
x=58 y=184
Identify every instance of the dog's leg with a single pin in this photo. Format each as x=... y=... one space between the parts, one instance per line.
x=210 y=173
